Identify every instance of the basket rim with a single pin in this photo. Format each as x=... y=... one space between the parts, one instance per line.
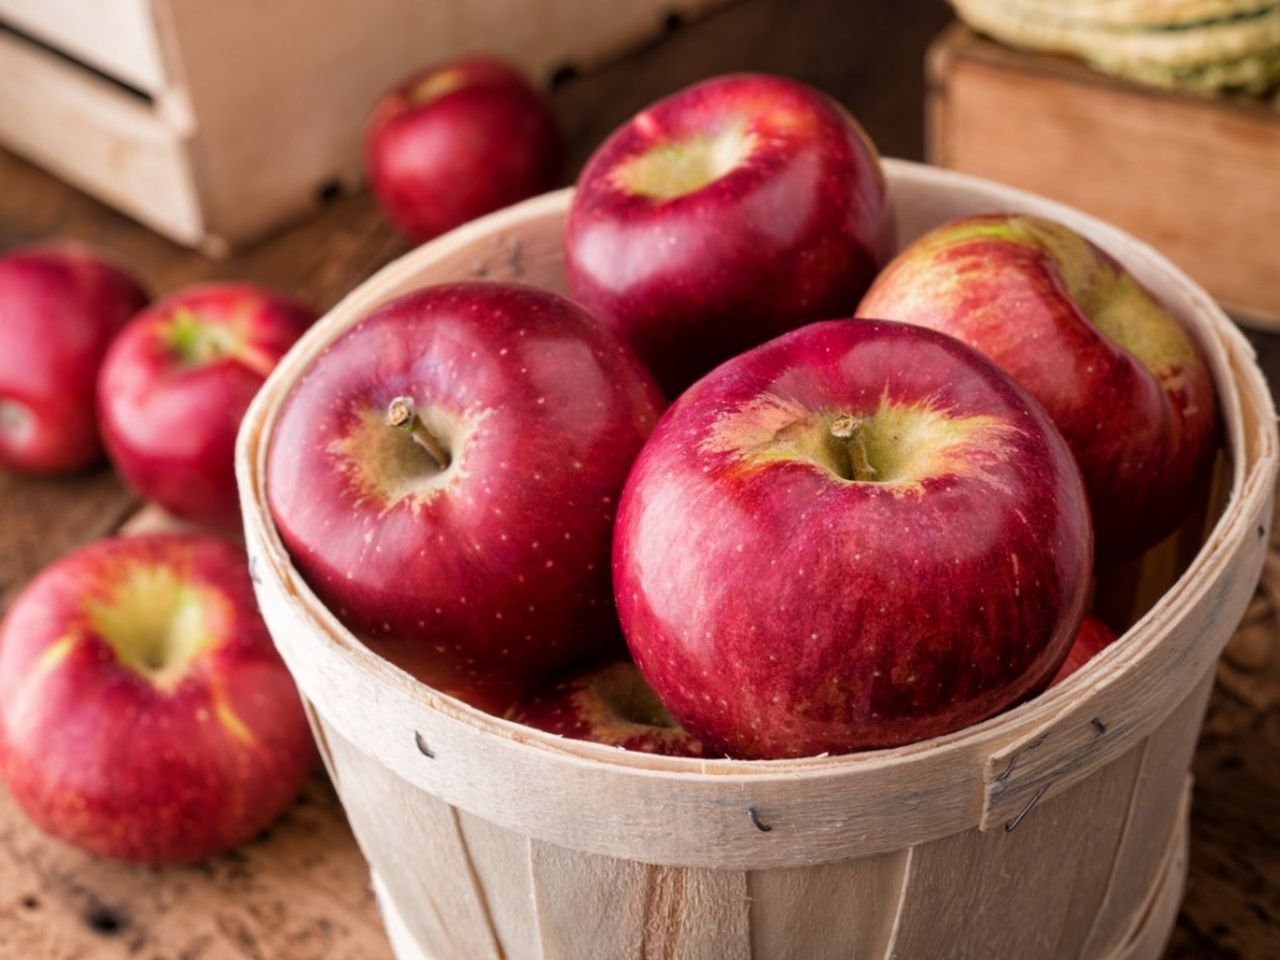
x=1001 y=738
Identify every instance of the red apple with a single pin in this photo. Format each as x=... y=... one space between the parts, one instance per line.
x=609 y=703
x=1094 y=636
x=857 y=535
x=445 y=477
x=176 y=384
x=737 y=209
x=144 y=713
x=457 y=141
x=59 y=308
x=1123 y=380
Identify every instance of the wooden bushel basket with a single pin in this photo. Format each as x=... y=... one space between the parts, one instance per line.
x=1057 y=829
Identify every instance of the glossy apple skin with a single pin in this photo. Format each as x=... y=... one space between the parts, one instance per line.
x=607 y=703
x=101 y=757
x=792 y=234
x=781 y=611
x=484 y=139
x=170 y=424
x=1093 y=637
x=59 y=308
x=495 y=571
x=1141 y=422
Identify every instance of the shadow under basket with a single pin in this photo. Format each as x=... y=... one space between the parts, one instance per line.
x=1057 y=829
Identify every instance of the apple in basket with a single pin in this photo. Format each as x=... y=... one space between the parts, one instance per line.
x=457 y=141
x=1093 y=637
x=608 y=703
x=176 y=384
x=144 y=712
x=59 y=308
x=446 y=473
x=730 y=212
x=857 y=535
x=1123 y=380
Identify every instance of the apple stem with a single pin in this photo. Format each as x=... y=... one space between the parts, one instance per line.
x=849 y=428
x=402 y=414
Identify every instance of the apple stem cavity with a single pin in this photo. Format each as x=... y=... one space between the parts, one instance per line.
x=849 y=429
x=403 y=415
x=675 y=168
x=197 y=341
x=436 y=85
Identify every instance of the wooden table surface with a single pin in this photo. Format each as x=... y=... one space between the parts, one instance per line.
x=301 y=891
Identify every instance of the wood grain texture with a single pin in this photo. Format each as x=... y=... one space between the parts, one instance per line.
x=418 y=845
x=835 y=911
x=1122 y=152
x=603 y=896
x=591 y=906
x=1091 y=862
x=1151 y=936
x=872 y=64
x=300 y=891
x=1156 y=799
x=501 y=861
x=951 y=909
x=41 y=519
x=592 y=937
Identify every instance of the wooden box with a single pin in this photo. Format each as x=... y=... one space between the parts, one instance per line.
x=1198 y=179
x=1055 y=830
x=213 y=121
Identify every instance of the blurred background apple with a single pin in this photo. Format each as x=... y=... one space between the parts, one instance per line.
x=176 y=384
x=460 y=140
x=60 y=306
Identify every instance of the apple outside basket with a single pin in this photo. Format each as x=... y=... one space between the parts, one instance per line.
x=1058 y=829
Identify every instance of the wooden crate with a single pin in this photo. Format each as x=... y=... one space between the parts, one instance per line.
x=1198 y=179
x=1051 y=831
x=213 y=122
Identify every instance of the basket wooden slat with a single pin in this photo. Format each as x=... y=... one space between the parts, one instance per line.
x=900 y=904
x=1092 y=863
x=1051 y=830
x=793 y=911
x=1153 y=804
x=794 y=926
